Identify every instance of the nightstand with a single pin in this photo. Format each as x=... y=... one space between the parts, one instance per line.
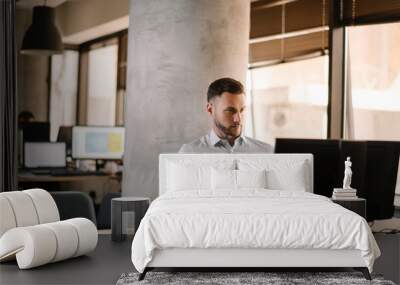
x=126 y=214
x=358 y=205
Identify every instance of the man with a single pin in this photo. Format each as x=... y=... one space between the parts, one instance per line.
x=25 y=117
x=226 y=108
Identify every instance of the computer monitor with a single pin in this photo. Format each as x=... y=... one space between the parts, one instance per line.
x=35 y=131
x=381 y=177
x=98 y=142
x=31 y=132
x=326 y=160
x=44 y=154
x=65 y=135
x=375 y=167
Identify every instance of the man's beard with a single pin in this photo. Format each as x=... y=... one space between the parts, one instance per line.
x=228 y=134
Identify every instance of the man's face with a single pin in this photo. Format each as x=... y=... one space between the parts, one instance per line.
x=227 y=112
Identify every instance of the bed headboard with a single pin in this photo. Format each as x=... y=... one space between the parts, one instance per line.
x=280 y=163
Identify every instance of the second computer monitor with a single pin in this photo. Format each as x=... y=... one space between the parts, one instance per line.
x=34 y=131
x=98 y=142
x=65 y=135
x=44 y=154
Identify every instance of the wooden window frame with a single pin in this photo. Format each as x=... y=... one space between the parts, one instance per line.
x=119 y=38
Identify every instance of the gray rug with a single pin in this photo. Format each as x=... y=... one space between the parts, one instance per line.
x=228 y=278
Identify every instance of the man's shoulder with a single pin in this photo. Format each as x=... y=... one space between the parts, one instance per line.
x=194 y=145
x=263 y=146
x=201 y=141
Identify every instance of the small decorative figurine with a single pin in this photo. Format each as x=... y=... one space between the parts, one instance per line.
x=347 y=192
x=347 y=174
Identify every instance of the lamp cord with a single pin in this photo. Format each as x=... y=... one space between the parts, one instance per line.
x=323 y=25
x=283 y=30
x=353 y=11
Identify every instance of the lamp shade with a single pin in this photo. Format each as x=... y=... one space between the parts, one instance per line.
x=42 y=37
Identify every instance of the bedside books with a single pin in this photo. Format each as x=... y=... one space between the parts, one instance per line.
x=344 y=194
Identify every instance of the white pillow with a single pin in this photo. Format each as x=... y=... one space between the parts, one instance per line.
x=280 y=174
x=187 y=177
x=293 y=178
x=237 y=179
x=251 y=178
x=223 y=179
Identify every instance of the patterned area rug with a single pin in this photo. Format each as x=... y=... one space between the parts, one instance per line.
x=229 y=278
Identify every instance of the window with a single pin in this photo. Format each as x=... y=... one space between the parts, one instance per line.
x=373 y=97
x=102 y=86
x=64 y=90
x=290 y=99
x=102 y=80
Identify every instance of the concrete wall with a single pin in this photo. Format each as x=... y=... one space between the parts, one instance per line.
x=176 y=49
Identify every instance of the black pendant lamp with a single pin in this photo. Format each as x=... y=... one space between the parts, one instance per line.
x=42 y=37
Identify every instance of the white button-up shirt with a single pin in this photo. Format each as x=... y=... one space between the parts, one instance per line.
x=212 y=143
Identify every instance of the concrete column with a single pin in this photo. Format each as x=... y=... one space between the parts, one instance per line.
x=176 y=49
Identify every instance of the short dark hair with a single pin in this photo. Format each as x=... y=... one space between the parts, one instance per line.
x=222 y=85
x=25 y=116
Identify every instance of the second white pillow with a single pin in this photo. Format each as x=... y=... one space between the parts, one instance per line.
x=251 y=178
x=237 y=179
x=223 y=179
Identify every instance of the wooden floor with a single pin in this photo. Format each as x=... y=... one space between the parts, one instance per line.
x=103 y=266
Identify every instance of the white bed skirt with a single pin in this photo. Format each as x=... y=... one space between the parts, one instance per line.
x=190 y=257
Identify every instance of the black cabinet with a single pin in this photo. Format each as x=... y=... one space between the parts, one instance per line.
x=358 y=205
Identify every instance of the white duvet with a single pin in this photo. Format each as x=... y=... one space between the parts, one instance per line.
x=251 y=218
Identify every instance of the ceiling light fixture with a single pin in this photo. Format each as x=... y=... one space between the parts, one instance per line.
x=42 y=37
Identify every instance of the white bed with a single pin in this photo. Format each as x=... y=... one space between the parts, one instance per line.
x=247 y=210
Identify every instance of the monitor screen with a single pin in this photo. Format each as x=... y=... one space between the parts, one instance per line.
x=44 y=154
x=35 y=131
x=375 y=167
x=98 y=142
x=65 y=135
x=326 y=160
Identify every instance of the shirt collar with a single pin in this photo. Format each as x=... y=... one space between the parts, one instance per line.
x=214 y=139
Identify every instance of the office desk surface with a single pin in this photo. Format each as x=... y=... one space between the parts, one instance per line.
x=29 y=177
x=97 y=186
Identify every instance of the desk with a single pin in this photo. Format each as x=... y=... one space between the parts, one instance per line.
x=97 y=184
x=29 y=177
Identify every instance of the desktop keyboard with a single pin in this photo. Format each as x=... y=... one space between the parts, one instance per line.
x=74 y=172
x=40 y=171
x=63 y=172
